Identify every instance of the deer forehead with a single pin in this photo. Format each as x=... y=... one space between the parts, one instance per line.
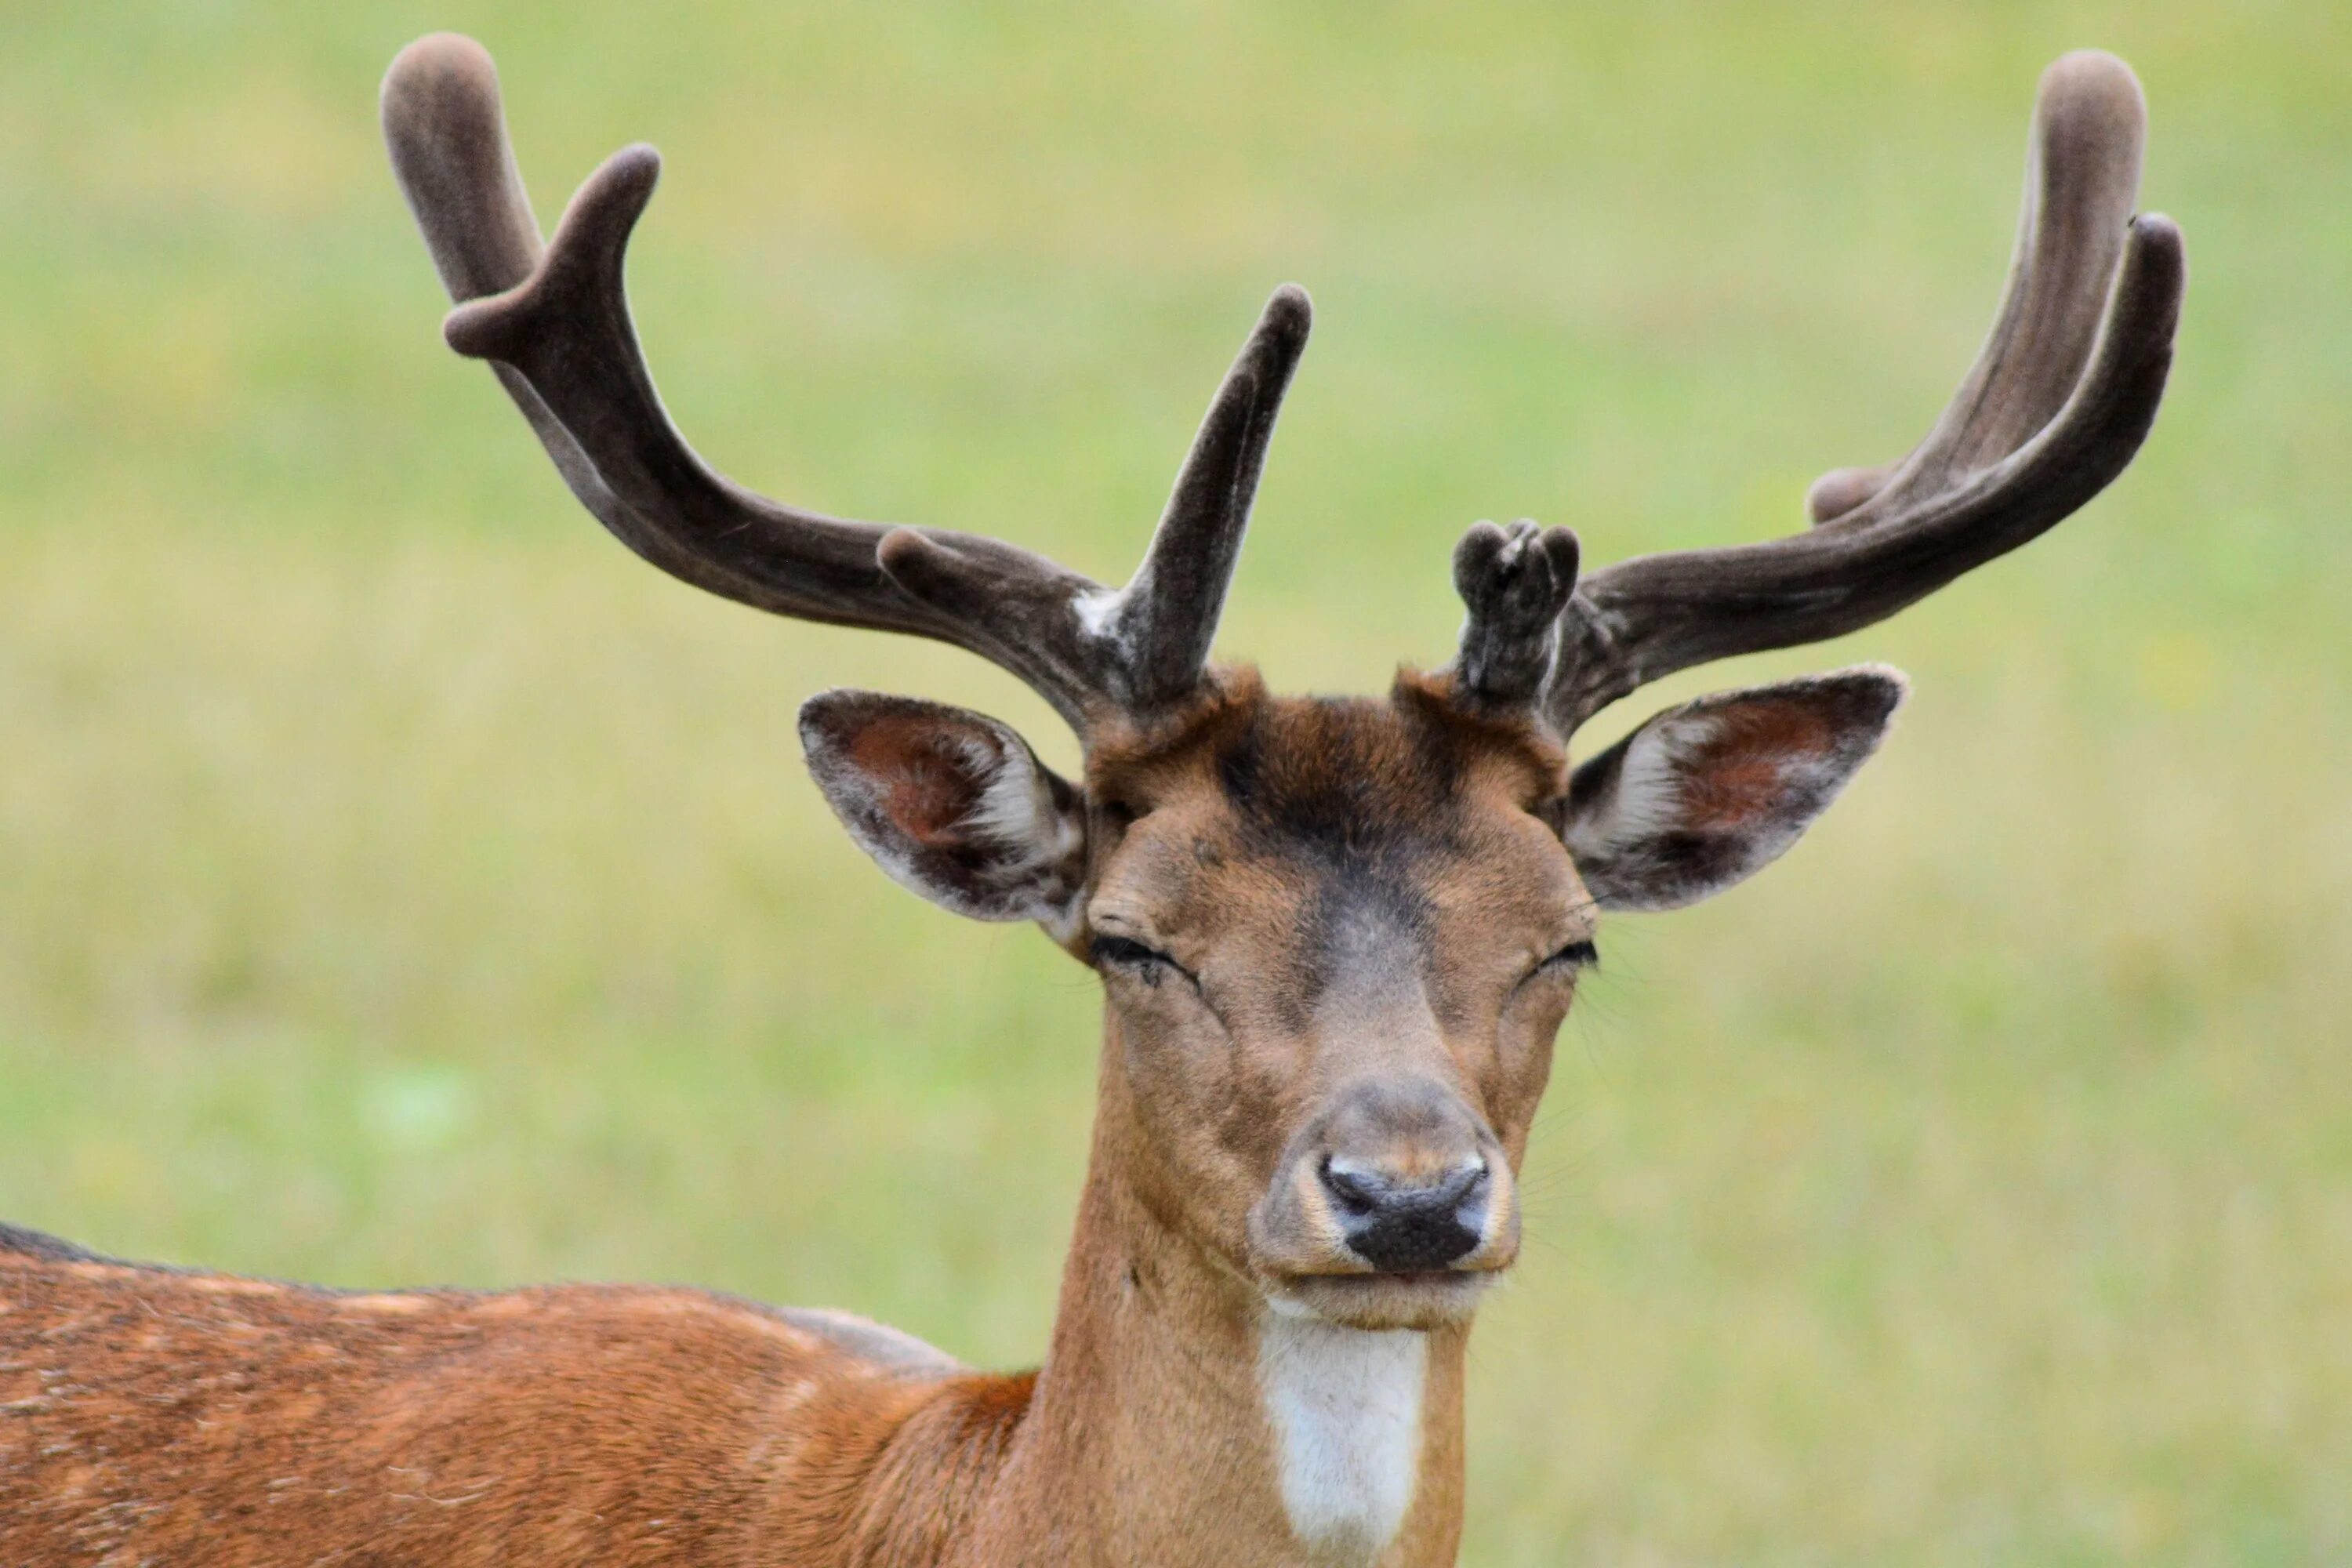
x=1312 y=838
x=1331 y=782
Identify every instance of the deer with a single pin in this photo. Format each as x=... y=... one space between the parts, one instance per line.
x=1336 y=937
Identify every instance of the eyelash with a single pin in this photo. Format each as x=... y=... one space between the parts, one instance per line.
x=1126 y=953
x=1575 y=955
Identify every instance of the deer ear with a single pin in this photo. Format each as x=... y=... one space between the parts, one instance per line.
x=1704 y=794
x=951 y=804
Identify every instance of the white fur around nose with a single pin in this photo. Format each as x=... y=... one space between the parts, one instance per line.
x=1345 y=1405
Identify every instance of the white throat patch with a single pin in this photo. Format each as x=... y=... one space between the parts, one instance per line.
x=1345 y=1405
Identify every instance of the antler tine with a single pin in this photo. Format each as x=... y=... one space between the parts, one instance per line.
x=1515 y=582
x=1167 y=615
x=2056 y=406
x=450 y=150
x=1157 y=630
x=451 y=155
x=2081 y=172
x=555 y=322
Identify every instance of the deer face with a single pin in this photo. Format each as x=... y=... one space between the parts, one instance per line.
x=1337 y=937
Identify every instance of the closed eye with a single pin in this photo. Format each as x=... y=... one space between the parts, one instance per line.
x=1575 y=955
x=1146 y=964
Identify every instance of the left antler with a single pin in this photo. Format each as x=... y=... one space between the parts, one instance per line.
x=555 y=322
x=2059 y=401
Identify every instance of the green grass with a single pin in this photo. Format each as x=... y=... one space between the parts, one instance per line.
x=399 y=883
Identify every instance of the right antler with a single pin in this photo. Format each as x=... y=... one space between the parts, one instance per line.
x=2056 y=406
x=555 y=322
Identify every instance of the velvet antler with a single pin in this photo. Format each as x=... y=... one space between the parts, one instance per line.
x=2058 y=401
x=554 y=321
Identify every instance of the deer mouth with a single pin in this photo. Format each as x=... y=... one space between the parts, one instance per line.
x=1420 y=1298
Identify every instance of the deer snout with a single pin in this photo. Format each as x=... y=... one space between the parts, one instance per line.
x=1392 y=1176
x=1404 y=1223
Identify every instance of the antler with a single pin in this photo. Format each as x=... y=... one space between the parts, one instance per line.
x=2057 y=404
x=554 y=321
x=1517 y=583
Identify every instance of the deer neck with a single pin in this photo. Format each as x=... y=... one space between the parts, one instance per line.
x=1179 y=1420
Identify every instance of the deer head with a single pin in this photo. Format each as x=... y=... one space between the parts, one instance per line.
x=1335 y=937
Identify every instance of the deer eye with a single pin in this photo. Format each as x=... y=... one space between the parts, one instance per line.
x=1575 y=955
x=1146 y=963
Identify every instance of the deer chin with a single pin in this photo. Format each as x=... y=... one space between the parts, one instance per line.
x=1436 y=1299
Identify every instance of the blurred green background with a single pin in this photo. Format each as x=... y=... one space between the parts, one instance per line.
x=399 y=883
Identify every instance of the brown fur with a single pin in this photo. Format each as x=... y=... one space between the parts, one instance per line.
x=1748 y=755
x=1274 y=831
x=923 y=794
x=150 y=1416
x=147 y=1414
x=1346 y=909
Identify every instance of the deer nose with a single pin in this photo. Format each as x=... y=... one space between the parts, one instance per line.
x=1401 y=1224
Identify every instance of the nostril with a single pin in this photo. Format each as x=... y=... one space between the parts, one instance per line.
x=1464 y=1182
x=1358 y=1191
x=1363 y=1190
